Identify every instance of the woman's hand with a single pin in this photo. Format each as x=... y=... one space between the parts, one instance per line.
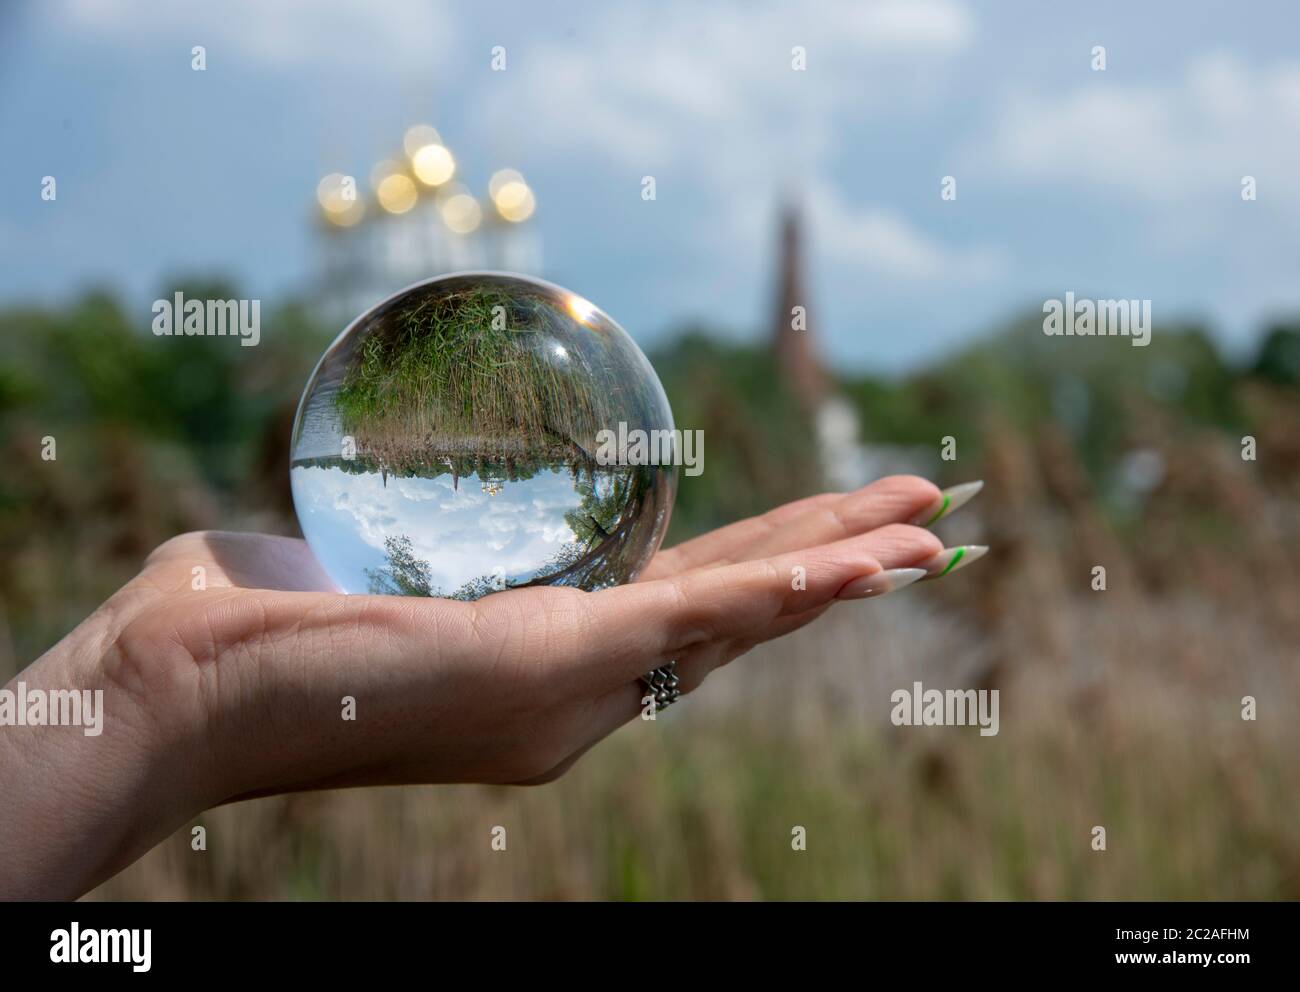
x=227 y=666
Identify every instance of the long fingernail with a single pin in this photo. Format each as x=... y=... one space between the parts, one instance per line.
x=951 y=499
x=881 y=583
x=951 y=559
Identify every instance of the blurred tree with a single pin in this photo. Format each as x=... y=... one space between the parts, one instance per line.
x=1279 y=355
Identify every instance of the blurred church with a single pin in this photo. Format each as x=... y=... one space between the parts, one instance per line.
x=845 y=462
x=416 y=219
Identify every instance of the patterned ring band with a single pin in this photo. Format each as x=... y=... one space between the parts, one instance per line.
x=662 y=683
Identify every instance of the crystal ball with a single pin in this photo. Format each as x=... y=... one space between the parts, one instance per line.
x=469 y=435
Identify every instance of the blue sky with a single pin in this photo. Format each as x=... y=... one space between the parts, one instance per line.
x=1117 y=183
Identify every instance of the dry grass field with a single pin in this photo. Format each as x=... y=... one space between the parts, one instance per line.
x=1119 y=708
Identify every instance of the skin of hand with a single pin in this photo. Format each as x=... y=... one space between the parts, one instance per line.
x=236 y=690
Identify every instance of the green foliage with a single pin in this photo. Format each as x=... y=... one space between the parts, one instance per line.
x=93 y=363
x=758 y=448
x=404 y=575
x=159 y=434
x=1279 y=355
x=1103 y=391
x=440 y=367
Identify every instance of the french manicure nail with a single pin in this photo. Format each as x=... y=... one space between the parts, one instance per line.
x=951 y=499
x=951 y=559
x=881 y=583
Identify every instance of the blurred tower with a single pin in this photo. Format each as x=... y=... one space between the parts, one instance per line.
x=792 y=336
x=844 y=462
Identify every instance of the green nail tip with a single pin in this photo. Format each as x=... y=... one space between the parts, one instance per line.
x=953 y=564
x=942 y=510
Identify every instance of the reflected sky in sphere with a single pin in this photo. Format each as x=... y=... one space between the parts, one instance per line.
x=446 y=445
x=463 y=529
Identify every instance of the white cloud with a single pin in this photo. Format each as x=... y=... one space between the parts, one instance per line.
x=696 y=93
x=881 y=240
x=707 y=92
x=1221 y=120
x=665 y=81
x=393 y=34
x=931 y=25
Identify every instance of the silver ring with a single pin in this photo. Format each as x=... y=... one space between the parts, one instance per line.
x=663 y=685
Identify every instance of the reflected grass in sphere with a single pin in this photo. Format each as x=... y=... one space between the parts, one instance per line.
x=446 y=444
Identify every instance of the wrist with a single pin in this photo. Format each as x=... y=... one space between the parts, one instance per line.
x=90 y=784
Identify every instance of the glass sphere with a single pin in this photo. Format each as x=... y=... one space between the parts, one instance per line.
x=470 y=434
